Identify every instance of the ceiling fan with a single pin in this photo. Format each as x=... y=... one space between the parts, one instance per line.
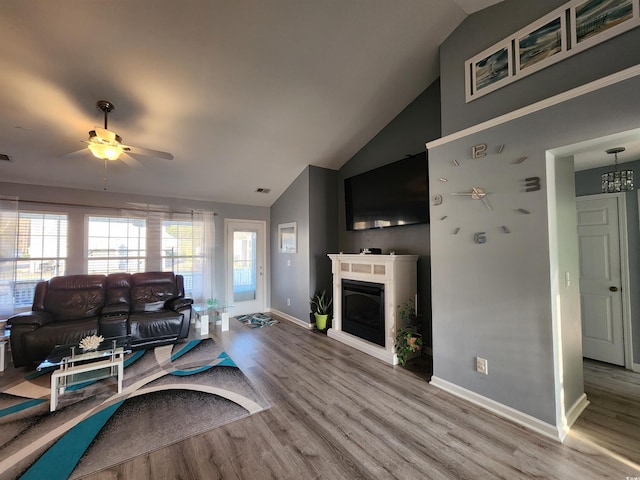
x=107 y=145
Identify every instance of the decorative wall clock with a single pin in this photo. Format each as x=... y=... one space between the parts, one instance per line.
x=477 y=193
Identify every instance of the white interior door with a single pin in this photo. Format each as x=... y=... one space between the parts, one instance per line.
x=600 y=280
x=246 y=252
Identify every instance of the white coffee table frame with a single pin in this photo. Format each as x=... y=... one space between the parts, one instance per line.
x=4 y=355
x=205 y=313
x=99 y=367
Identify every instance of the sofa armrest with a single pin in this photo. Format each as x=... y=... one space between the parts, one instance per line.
x=37 y=319
x=179 y=303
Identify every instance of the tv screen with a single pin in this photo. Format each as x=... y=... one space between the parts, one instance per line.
x=392 y=195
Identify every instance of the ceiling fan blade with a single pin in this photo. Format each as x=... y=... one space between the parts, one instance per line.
x=77 y=153
x=147 y=152
x=129 y=160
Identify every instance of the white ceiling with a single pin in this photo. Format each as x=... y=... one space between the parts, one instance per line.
x=244 y=93
x=593 y=153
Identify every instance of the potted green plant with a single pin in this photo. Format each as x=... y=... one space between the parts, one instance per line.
x=321 y=308
x=408 y=341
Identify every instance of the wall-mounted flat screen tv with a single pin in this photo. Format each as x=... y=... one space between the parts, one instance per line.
x=392 y=195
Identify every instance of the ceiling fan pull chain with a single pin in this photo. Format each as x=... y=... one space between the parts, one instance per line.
x=105 y=174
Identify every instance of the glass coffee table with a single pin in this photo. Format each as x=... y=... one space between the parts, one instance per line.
x=206 y=313
x=76 y=366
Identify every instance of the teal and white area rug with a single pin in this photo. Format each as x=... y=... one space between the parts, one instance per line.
x=170 y=393
x=256 y=320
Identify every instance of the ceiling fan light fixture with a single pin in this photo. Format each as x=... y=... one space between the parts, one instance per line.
x=104 y=151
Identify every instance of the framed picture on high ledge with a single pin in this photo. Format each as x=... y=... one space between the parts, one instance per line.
x=569 y=29
x=541 y=44
x=594 y=21
x=488 y=70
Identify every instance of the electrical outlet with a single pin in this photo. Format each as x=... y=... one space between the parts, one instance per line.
x=482 y=365
x=288 y=302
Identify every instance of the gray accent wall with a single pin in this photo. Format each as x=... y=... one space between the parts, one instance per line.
x=588 y=183
x=501 y=302
x=485 y=28
x=290 y=271
x=310 y=201
x=405 y=135
x=323 y=234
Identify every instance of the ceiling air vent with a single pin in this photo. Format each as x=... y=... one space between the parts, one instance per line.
x=5 y=158
x=263 y=190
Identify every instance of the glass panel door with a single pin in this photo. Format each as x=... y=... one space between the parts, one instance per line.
x=246 y=251
x=244 y=266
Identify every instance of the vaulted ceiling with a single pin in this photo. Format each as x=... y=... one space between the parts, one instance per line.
x=243 y=93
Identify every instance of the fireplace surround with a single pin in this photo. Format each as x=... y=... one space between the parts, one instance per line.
x=373 y=282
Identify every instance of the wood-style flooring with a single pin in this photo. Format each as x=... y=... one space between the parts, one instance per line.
x=337 y=413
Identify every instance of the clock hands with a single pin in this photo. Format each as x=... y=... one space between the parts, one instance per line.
x=476 y=193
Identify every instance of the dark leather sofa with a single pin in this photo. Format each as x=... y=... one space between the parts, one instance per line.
x=149 y=306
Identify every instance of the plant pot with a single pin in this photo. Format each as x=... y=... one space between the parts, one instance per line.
x=321 y=321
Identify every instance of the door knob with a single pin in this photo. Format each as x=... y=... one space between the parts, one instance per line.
x=613 y=289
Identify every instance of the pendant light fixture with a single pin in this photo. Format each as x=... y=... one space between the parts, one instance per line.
x=617 y=180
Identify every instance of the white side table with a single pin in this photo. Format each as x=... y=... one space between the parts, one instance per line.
x=4 y=349
x=4 y=355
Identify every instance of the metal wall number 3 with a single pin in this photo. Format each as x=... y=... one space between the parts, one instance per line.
x=532 y=184
x=480 y=238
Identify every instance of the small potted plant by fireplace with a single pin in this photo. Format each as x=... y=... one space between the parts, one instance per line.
x=321 y=308
x=408 y=341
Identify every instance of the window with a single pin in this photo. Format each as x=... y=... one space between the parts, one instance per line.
x=116 y=244
x=183 y=251
x=41 y=252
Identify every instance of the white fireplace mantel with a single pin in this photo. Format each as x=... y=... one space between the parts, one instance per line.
x=398 y=274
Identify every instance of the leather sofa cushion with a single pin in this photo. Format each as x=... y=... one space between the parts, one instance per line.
x=118 y=290
x=151 y=290
x=75 y=296
x=165 y=324
x=40 y=342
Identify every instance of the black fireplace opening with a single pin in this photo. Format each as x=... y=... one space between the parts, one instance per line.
x=363 y=310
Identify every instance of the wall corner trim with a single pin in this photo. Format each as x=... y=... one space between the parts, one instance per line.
x=292 y=319
x=557 y=433
x=541 y=105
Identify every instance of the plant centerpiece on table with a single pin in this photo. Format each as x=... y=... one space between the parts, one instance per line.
x=407 y=341
x=321 y=308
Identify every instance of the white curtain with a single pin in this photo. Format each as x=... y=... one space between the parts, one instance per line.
x=8 y=248
x=206 y=244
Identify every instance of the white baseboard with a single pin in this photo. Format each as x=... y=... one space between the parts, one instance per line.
x=636 y=367
x=575 y=411
x=297 y=321
x=498 y=408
